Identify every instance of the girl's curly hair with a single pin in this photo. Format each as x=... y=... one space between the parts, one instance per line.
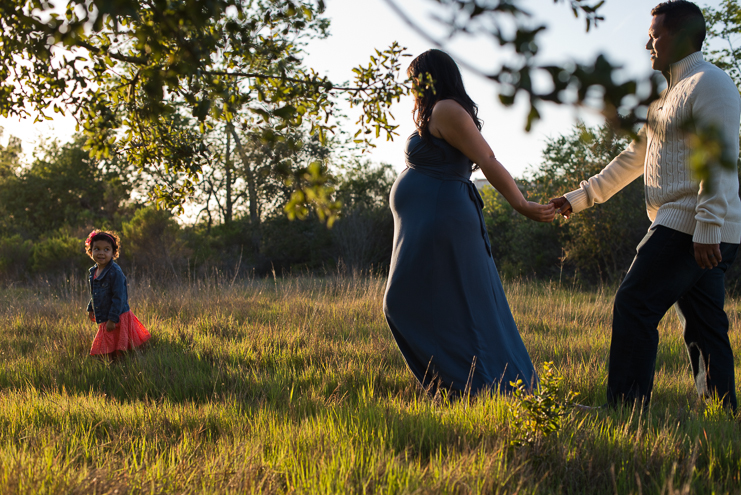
x=103 y=235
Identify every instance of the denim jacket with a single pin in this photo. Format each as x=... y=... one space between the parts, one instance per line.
x=109 y=298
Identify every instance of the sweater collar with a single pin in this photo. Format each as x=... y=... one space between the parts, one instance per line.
x=679 y=70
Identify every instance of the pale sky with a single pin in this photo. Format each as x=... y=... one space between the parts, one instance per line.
x=360 y=27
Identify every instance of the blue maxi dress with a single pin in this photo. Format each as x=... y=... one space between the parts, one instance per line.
x=444 y=300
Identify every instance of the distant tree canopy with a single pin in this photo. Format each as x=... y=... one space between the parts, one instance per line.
x=62 y=188
x=239 y=179
x=10 y=155
x=147 y=78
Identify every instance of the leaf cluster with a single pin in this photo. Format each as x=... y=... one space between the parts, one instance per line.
x=724 y=24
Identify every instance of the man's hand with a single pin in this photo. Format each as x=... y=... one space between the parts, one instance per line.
x=91 y=316
x=562 y=206
x=110 y=326
x=708 y=255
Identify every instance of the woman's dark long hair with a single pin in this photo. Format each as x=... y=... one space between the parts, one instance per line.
x=448 y=85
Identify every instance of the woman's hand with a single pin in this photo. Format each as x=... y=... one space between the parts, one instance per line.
x=91 y=316
x=110 y=326
x=537 y=212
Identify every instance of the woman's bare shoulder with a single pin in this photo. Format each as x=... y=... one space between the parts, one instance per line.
x=449 y=108
x=447 y=116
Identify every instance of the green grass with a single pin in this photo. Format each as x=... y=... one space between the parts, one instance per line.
x=295 y=385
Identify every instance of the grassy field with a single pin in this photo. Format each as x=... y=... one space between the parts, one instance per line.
x=296 y=386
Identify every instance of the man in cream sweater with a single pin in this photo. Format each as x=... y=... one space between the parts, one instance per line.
x=696 y=226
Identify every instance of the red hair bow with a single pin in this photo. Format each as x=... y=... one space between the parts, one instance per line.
x=90 y=237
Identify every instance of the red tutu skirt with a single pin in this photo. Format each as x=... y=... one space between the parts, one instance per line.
x=128 y=334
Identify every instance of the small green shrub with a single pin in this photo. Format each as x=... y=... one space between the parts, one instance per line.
x=14 y=255
x=539 y=414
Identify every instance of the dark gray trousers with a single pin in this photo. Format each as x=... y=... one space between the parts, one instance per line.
x=665 y=273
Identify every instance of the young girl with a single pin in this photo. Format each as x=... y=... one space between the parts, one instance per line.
x=118 y=330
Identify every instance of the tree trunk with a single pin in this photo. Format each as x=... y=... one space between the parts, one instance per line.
x=228 y=170
x=251 y=191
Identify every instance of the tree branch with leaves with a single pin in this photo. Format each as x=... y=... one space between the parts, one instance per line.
x=132 y=71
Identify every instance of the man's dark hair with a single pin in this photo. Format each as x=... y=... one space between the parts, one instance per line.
x=683 y=16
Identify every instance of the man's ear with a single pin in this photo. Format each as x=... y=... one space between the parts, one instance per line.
x=685 y=44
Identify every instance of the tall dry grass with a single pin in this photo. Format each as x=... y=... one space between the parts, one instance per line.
x=295 y=385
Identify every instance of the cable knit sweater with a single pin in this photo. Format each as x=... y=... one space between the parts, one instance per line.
x=700 y=91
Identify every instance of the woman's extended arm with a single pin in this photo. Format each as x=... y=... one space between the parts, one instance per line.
x=452 y=123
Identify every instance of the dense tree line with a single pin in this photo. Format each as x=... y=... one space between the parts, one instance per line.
x=41 y=237
x=47 y=208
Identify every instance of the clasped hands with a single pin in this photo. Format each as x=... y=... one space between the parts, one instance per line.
x=544 y=213
x=707 y=255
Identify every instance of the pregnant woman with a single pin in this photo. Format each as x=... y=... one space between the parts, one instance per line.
x=444 y=300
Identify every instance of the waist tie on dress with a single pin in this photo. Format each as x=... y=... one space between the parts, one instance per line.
x=473 y=193
x=475 y=196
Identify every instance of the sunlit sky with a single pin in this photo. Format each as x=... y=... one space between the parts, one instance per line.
x=360 y=27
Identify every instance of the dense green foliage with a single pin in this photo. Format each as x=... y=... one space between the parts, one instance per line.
x=596 y=245
x=295 y=385
x=63 y=187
